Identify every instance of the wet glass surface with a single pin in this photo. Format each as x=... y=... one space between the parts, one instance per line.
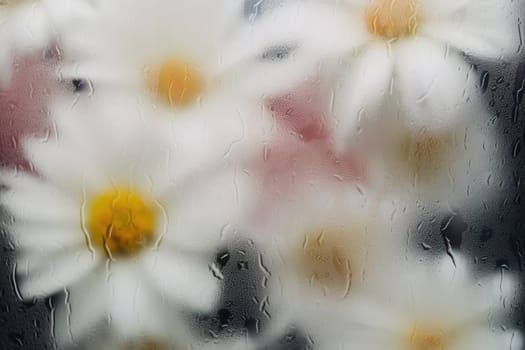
x=262 y=174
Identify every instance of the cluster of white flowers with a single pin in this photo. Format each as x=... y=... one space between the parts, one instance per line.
x=315 y=130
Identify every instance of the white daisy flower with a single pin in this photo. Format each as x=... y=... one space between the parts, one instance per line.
x=24 y=28
x=180 y=53
x=324 y=252
x=427 y=307
x=446 y=167
x=116 y=219
x=409 y=55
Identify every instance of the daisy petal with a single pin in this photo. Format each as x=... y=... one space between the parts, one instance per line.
x=437 y=88
x=487 y=339
x=31 y=200
x=61 y=12
x=46 y=275
x=450 y=270
x=57 y=161
x=362 y=91
x=367 y=339
x=379 y=315
x=467 y=28
x=40 y=239
x=134 y=308
x=161 y=34
x=431 y=8
x=83 y=306
x=32 y=28
x=201 y=213
x=284 y=47
x=216 y=133
x=500 y=292
x=131 y=142
x=185 y=279
x=514 y=340
x=218 y=16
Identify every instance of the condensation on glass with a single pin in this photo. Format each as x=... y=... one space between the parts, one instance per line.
x=262 y=174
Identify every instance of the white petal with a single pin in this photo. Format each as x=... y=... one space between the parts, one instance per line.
x=483 y=338
x=203 y=213
x=44 y=275
x=515 y=340
x=358 y=323
x=66 y=11
x=31 y=200
x=302 y=33
x=436 y=87
x=59 y=163
x=500 y=291
x=134 y=306
x=363 y=90
x=431 y=8
x=219 y=17
x=453 y=295
x=24 y=28
x=449 y=270
x=184 y=278
x=376 y=339
x=47 y=239
x=131 y=144
x=144 y=37
x=32 y=28
x=215 y=133
x=486 y=28
x=373 y=315
x=176 y=22
x=83 y=307
x=103 y=73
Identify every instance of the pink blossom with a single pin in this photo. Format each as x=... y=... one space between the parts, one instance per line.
x=23 y=108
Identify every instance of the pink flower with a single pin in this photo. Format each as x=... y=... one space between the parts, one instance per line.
x=23 y=108
x=301 y=155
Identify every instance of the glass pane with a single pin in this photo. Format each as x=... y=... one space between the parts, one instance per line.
x=262 y=174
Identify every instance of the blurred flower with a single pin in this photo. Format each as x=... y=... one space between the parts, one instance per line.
x=23 y=108
x=409 y=55
x=24 y=28
x=427 y=307
x=182 y=53
x=320 y=255
x=445 y=168
x=407 y=95
x=117 y=219
x=300 y=154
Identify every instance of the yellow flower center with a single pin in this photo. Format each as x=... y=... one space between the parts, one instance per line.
x=427 y=340
x=121 y=222
x=178 y=83
x=392 y=18
x=324 y=260
x=423 y=155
